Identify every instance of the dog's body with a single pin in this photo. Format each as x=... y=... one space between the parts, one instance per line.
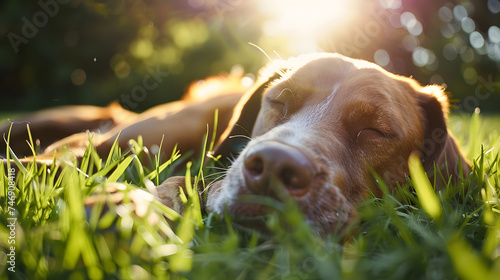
x=320 y=126
x=181 y=123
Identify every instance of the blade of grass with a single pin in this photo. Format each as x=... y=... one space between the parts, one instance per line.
x=214 y=130
x=389 y=205
x=467 y=263
x=114 y=152
x=162 y=167
x=157 y=158
x=425 y=193
x=193 y=197
x=79 y=240
x=121 y=168
x=474 y=134
x=85 y=161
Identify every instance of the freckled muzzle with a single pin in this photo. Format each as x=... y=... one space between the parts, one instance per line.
x=268 y=173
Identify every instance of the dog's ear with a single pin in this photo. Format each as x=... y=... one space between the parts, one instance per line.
x=239 y=130
x=439 y=147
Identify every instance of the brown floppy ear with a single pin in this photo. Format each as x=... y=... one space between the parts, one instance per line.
x=439 y=147
x=239 y=130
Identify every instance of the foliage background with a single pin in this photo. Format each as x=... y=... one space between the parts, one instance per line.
x=97 y=51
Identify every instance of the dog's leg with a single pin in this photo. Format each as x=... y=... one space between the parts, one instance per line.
x=48 y=126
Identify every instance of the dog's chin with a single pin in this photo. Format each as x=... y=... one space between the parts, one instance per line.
x=250 y=217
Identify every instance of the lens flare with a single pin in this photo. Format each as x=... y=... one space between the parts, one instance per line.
x=303 y=21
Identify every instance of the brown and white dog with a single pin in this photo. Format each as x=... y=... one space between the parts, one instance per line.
x=319 y=126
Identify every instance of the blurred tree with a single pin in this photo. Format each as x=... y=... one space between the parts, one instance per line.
x=451 y=43
x=61 y=52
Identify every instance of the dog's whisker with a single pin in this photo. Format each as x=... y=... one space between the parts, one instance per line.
x=212 y=183
x=279 y=70
x=217 y=168
x=241 y=136
x=261 y=50
x=217 y=179
x=213 y=175
x=246 y=131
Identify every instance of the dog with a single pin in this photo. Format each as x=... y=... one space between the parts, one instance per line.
x=315 y=128
x=321 y=126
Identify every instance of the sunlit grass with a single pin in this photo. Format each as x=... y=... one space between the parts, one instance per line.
x=58 y=237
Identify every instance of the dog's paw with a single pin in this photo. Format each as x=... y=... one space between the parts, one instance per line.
x=168 y=192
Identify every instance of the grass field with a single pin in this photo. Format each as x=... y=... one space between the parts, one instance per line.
x=55 y=237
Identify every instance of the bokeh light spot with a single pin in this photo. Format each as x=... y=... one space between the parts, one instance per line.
x=476 y=40
x=78 y=77
x=496 y=50
x=447 y=30
x=493 y=51
x=120 y=66
x=406 y=18
x=494 y=34
x=415 y=28
x=494 y=6
x=395 y=20
x=450 y=52
x=409 y=43
x=437 y=79
x=381 y=57
x=142 y=48
x=169 y=55
x=460 y=12
x=445 y=14
x=420 y=57
x=247 y=81
x=122 y=69
x=470 y=75
x=149 y=32
x=425 y=57
x=467 y=54
x=391 y=4
x=468 y=25
x=187 y=34
x=411 y=23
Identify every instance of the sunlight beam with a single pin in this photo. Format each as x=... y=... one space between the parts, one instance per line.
x=303 y=21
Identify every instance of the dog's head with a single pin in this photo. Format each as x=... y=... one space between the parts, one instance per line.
x=320 y=125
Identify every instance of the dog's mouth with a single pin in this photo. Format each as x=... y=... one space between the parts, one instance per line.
x=252 y=223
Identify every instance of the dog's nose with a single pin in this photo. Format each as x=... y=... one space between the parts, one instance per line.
x=288 y=165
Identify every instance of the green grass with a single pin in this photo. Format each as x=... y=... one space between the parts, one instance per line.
x=452 y=234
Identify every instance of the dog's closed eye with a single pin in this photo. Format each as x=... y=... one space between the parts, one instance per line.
x=278 y=105
x=368 y=134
